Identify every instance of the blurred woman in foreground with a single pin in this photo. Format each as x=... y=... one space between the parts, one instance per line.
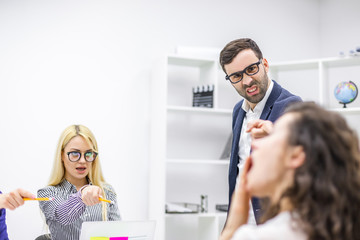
x=308 y=168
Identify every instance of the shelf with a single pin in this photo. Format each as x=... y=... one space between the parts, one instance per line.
x=294 y=65
x=314 y=63
x=348 y=110
x=342 y=61
x=211 y=214
x=187 y=61
x=199 y=110
x=197 y=161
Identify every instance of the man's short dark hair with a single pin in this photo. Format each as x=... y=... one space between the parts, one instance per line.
x=231 y=50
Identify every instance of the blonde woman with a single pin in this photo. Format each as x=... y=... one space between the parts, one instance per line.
x=76 y=185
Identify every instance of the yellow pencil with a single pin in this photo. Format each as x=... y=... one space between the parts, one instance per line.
x=39 y=199
x=105 y=200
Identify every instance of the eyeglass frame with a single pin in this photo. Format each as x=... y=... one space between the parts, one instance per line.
x=68 y=153
x=227 y=77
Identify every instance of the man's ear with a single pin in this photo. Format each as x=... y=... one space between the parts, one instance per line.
x=266 y=64
x=297 y=157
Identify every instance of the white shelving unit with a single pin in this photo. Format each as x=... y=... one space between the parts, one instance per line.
x=186 y=145
x=321 y=75
x=186 y=142
x=315 y=80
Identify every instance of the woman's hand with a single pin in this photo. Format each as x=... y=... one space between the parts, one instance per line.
x=90 y=195
x=239 y=208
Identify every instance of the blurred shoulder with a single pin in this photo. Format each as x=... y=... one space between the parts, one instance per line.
x=108 y=188
x=280 y=227
x=46 y=190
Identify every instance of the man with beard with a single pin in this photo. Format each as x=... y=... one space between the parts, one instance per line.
x=247 y=71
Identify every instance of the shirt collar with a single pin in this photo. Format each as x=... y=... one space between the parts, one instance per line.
x=68 y=186
x=260 y=106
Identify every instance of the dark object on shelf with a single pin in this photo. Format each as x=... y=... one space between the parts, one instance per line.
x=222 y=207
x=182 y=208
x=203 y=96
x=227 y=149
x=204 y=203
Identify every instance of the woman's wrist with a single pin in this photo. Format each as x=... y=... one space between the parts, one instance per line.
x=81 y=189
x=227 y=234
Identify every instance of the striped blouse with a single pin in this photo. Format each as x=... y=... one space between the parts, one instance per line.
x=66 y=213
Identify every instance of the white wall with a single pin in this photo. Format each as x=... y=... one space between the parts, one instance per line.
x=339 y=24
x=284 y=30
x=89 y=62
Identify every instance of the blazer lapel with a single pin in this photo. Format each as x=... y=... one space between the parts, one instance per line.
x=234 y=159
x=236 y=136
x=275 y=93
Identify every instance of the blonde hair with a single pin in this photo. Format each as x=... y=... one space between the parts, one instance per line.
x=95 y=175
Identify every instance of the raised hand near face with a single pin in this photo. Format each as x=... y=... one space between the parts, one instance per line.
x=239 y=208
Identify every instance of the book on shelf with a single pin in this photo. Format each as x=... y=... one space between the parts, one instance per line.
x=227 y=149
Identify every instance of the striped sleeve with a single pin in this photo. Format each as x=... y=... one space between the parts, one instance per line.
x=64 y=211
x=113 y=210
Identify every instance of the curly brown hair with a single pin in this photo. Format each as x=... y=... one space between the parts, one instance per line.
x=326 y=190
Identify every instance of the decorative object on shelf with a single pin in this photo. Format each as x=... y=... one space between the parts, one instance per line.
x=355 y=52
x=203 y=96
x=346 y=92
x=225 y=155
x=182 y=208
x=352 y=52
x=222 y=207
x=204 y=204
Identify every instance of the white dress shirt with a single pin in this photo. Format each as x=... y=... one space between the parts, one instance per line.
x=280 y=227
x=245 y=138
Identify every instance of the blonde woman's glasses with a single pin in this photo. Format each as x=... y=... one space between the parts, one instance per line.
x=75 y=156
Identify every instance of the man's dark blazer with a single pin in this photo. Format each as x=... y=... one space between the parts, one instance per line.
x=278 y=100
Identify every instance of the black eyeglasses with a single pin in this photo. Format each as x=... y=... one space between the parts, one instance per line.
x=75 y=156
x=249 y=70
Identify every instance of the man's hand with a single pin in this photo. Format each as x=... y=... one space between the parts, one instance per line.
x=239 y=208
x=90 y=195
x=14 y=199
x=259 y=128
